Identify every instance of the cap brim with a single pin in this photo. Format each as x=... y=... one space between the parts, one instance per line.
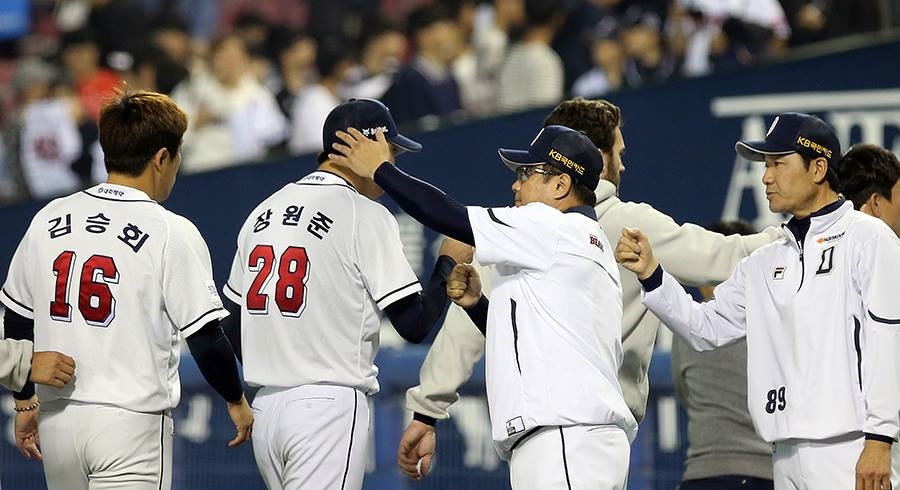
x=756 y=151
x=405 y=143
x=518 y=158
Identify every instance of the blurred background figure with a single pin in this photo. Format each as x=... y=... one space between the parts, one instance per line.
x=532 y=75
x=232 y=117
x=724 y=451
x=608 y=71
x=315 y=102
x=382 y=51
x=42 y=139
x=426 y=87
x=294 y=53
x=492 y=27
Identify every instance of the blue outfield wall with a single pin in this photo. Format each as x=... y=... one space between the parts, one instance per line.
x=680 y=157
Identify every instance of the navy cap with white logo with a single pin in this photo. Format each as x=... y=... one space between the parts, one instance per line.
x=564 y=148
x=794 y=132
x=368 y=116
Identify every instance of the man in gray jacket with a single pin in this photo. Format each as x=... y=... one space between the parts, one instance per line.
x=692 y=254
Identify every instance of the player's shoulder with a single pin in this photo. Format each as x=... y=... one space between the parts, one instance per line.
x=861 y=227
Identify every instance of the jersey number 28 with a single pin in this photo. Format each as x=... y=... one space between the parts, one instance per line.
x=95 y=300
x=290 y=287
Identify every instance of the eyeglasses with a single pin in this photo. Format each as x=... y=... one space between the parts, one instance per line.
x=523 y=173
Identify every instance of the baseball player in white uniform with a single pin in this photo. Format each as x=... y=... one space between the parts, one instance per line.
x=870 y=177
x=819 y=314
x=692 y=254
x=113 y=279
x=319 y=263
x=556 y=308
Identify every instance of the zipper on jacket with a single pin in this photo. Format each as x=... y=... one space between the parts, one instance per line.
x=856 y=342
x=515 y=330
x=802 y=265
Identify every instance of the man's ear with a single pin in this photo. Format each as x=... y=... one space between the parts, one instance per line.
x=874 y=204
x=564 y=186
x=159 y=158
x=820 y=169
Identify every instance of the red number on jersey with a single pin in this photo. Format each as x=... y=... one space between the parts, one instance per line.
x=290 y=288
x=262 y=259
x=60 y=310
x=95 y=300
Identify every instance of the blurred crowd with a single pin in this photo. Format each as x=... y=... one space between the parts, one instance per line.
x=258 y=78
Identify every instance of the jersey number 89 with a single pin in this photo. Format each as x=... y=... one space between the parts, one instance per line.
x=290 y=287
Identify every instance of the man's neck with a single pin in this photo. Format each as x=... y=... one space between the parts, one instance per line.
x=822 y=199
x=141 y=183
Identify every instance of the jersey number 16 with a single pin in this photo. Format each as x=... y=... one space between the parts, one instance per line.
x=95 y=300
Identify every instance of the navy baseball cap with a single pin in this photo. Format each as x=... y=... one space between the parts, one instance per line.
x=793 y=132
x=368 y=116
x=566 y=149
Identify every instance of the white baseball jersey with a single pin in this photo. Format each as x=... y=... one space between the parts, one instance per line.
x=110 y=278
x=316 y=264
x=554 y=323
x=822 y=323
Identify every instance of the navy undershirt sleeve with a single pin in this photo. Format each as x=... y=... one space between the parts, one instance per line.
x=414 y=316
x=213 y=354
x=231 y=324
x=478 y=314
x=426 y=203
x=17 y=327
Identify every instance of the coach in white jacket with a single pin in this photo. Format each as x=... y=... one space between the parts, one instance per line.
x=695 y=256
x=819 y=311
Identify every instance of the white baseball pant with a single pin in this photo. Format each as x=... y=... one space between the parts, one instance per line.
x=578 y=457
x=97 y=447
x=801 y=464
x=311 y=437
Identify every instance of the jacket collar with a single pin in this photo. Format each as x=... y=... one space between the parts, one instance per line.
x=818 y=221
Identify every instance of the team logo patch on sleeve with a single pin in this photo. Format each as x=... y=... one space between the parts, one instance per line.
x=595 y=241
x=778 y=273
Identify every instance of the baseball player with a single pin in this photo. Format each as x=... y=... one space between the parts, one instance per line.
x=556 y=307
x=869 y=176
x=818 y=311
x=693 y=255
x=110 y=277
x=319 y=263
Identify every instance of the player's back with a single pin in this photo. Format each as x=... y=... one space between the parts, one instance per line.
x=94 y=271
x=311 y=275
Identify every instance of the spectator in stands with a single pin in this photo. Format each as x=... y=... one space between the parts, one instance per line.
x=232 y=117
x=42 y=138
x=573 y=41
x=608 y=73
x=315 y=102
x=92 y=83
x=465 y=64
x=490 y=40
x=295 y=55
x=724 y=451
x=120 y=28
x=254 y=30
x=426 y=87
x=532 y=75
x=647 y=61
x=716 y=33
x=172 y=36
x=155 y=71
x=382 y=49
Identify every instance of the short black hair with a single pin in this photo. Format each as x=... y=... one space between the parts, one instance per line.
x=732 y=227
x=425 y=16
x=582 y=193
x=865 y=170
x=541 y=12
x=332 y=51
